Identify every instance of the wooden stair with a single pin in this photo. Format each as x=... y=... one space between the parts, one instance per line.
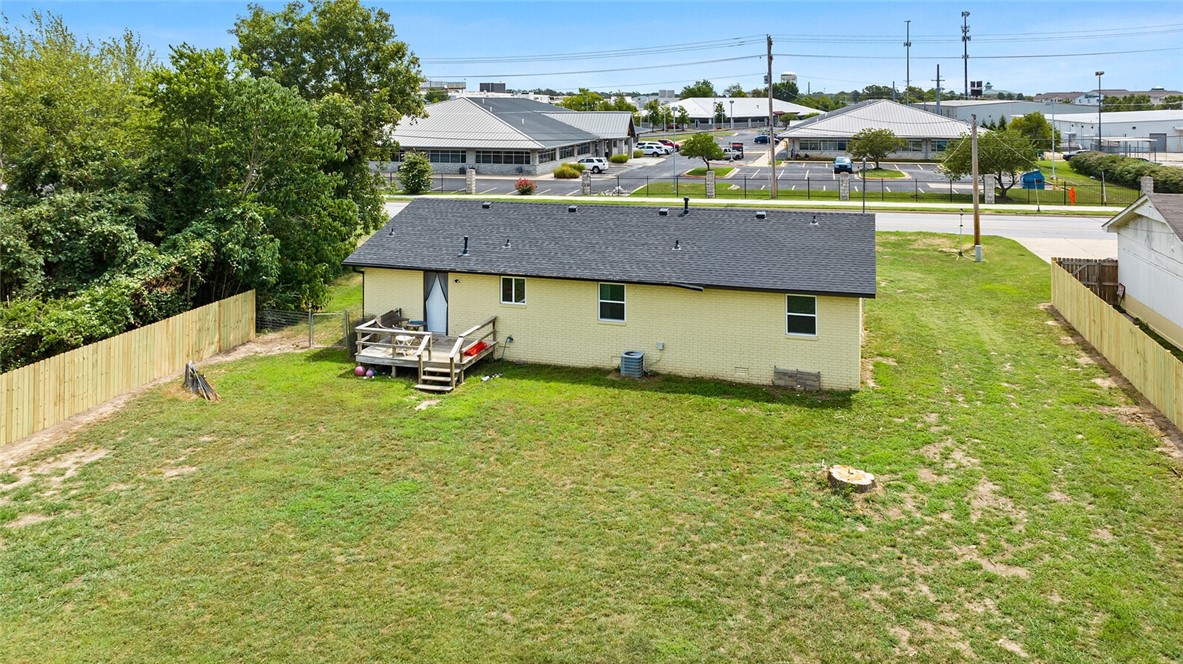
x=437 y=377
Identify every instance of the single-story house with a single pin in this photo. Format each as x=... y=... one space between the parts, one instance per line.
x=746 y=112
x=511 y=135
x=741 y=295
x=1150 y=262
x=926 y=133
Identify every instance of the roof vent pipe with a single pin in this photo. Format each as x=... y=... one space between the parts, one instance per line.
x=464 y=252
x=685 y=205
x=506 y=245
x=813 y=222
x=677 y=245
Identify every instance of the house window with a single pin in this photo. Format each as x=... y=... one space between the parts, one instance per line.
x=566 y=152
x=513 y=290
x=612 y=302
x=502 y=157
x=545 y=156
x=585 y=148
x=802 y=315
x=445 y=156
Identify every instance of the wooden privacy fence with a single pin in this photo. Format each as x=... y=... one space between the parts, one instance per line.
x=1152 y=369
x=1098 y=274
x=41 y=395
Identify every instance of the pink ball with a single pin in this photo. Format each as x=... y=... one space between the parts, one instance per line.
x=370 y=373
x=359 y=370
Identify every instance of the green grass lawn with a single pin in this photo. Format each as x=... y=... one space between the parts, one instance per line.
x=561 y=515
x=884 y=173
x=701 y=171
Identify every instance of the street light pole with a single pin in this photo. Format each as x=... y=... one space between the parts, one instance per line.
x=1100 y=148
x=732 y=102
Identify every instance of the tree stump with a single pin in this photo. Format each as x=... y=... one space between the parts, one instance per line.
x=845 y=477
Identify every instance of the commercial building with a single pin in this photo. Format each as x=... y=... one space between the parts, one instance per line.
x=511 y=135
x=926 y=133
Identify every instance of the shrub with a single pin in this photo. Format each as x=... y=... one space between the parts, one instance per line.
x=415 y=173
x=638 y=153
x=566 y=172
x=577 y=166
x=525 y=187
x=618 y=158
x=1127 y=171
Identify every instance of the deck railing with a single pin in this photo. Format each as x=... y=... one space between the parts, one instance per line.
x=471 y=335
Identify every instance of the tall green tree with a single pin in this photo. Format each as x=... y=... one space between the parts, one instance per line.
x=348 y=55
x=875 y=144
x=1037 y=129
x=1005 y=154
x=703 y=88
x=584 y=100
x=735 y=90
x=702 y=146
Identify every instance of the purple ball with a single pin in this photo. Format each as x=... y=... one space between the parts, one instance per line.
x=370 y=373
x=359 y=370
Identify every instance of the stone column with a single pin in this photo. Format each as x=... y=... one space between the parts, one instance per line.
x=710 y=184
x=470 y=181
x=988 y=189
x=844 y=186
x=1147 y=184
x=586 y=182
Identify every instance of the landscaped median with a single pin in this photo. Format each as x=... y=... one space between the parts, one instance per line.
x=549 y=514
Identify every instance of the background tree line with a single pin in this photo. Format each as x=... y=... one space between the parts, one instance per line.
x=136 y=189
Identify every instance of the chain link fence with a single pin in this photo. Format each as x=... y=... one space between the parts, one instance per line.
x=319 y=329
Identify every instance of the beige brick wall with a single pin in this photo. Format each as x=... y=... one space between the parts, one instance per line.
x=732 y=335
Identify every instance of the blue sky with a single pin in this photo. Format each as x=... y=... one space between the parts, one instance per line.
x=530 y=44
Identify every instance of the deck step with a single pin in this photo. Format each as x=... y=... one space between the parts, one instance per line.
x=443 y=369
x=434 y=388
x=441 y=379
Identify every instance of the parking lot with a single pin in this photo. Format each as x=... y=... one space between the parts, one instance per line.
x=749 y=178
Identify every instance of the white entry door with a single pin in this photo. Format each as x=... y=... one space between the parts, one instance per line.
x=435 y=304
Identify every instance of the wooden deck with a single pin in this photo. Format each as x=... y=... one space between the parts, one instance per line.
x=441 y=360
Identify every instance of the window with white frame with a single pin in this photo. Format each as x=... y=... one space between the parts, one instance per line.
x=801 y=311
x=513 y=290
x=612 y=302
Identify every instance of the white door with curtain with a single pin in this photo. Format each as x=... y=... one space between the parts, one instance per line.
x=435 y=302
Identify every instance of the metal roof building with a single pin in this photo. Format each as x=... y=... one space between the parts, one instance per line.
x=926 y=133
x=1161 y=131
x=501 y=135
x=745 y=111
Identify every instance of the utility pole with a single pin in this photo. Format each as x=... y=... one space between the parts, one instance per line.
x=973 y=157
x=907 y=58
x=771 y=132
x=938 y=80
x=965 y=49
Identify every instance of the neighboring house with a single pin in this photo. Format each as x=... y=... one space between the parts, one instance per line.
x=1150 y=131
x=511 y=135
x=1157 y=95
x=926 y=133
x=1058 y=97
x=721 y=293
x=747 y=111
x=1150 y=262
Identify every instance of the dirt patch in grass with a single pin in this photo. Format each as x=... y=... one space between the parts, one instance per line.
x=985 y=498
x=28 y=520
x=970 y=553
x=1011 y=646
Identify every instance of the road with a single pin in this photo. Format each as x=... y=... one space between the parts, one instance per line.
x=1078 y=237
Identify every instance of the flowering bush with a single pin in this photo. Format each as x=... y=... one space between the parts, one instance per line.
x=525 y=187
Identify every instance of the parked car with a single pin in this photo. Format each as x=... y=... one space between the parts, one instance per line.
x=594 y=164
x=731 y=153
x=843 y=165
x=762 y=138
x=652 y=149
x=670 y=144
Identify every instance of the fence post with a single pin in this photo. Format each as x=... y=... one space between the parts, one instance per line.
x=310 y=328
x=950 y=190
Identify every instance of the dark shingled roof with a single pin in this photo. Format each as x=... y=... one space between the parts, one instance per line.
x=720 y=248
x=1170 y=206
